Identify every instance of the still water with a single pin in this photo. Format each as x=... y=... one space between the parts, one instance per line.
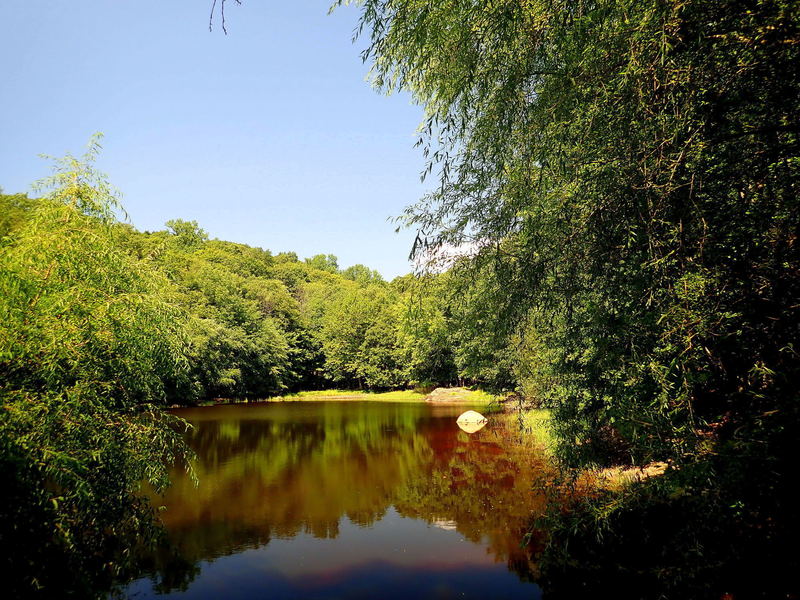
x=346 y=500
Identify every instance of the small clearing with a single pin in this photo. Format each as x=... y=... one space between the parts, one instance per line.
x=458 y=395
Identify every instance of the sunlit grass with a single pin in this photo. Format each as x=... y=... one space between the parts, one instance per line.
x=359 y=395
x=471 y=397
x=536 y=423
x=480 y=397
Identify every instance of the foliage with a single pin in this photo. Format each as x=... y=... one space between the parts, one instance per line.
x=324 y=262
x=624 y=177
x=427 y=336
x=189 y=233
x=89 y=345
x=362 y=274
x=13 y=211
x=77 y=184
x=627 y=175
x=622 y=180
x=355 y=395
x=101 y=324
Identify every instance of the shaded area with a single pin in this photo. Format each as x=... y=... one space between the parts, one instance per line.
x=663 y=539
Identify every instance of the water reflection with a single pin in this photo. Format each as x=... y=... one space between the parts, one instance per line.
x=349 y=500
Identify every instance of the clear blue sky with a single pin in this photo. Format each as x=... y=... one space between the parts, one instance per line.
x=269 y=136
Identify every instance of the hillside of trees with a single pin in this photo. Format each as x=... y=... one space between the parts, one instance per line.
x=243 y=322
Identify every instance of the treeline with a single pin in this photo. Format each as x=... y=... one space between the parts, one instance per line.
x=102 y=325
x=247 y=323
x=243 y=322
x=259 y=324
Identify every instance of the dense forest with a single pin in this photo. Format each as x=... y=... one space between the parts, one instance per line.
x=231 y=321
x=626 y=175
x=613 y=234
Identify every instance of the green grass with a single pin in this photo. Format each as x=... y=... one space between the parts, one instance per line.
x=536 y=423
x=481 y=397
x=359 y=395
x=476 y=397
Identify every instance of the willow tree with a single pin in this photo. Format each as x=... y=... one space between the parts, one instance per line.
x=89 y=342
x=627 y=174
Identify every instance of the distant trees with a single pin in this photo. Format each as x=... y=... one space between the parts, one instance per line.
x=324 y=262
x=245 y=323
x=102 y=325
x=361 y=274
x=188 y=232
x=358 y=335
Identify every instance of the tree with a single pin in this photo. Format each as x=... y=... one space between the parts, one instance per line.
x=627 y=174
x=362 y=274
x=14 y=209
x=89 y=343
x=425 y=330
x=324 y=262
x=189 y=233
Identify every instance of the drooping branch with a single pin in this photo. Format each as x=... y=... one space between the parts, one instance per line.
x=222 y=14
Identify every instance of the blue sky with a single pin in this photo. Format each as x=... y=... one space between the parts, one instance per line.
x=269 y=136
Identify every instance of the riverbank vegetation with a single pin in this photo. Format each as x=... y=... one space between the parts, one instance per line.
x=444 y=396
x=613 y=233
x=623 y=178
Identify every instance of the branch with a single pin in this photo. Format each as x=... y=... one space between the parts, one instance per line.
x=222 y=12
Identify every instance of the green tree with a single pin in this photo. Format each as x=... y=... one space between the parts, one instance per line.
x=425 y=336
x=188 y=233
x=628 y=173
x=14 y=210
x=361 y=274
x=240 y=319
x=324 y=262
x=357 y=329
x=89 y=343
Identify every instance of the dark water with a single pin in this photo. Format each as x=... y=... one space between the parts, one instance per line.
x=348 y=500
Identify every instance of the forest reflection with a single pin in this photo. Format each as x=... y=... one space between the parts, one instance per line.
x=275 y=471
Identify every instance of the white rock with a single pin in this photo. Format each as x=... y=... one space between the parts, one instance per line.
x=471 y=421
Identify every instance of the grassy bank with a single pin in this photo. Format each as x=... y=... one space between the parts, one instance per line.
x=536 y=423
x=472 y=397
x=355 y=395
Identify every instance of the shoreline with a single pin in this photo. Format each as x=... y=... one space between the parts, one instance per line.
x=454 y=396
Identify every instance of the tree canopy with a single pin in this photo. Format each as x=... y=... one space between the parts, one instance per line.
x=627 y=173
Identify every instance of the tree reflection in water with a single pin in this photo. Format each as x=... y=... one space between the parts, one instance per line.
x=277 y=471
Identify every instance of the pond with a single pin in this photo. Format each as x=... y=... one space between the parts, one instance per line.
x=345 y=500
